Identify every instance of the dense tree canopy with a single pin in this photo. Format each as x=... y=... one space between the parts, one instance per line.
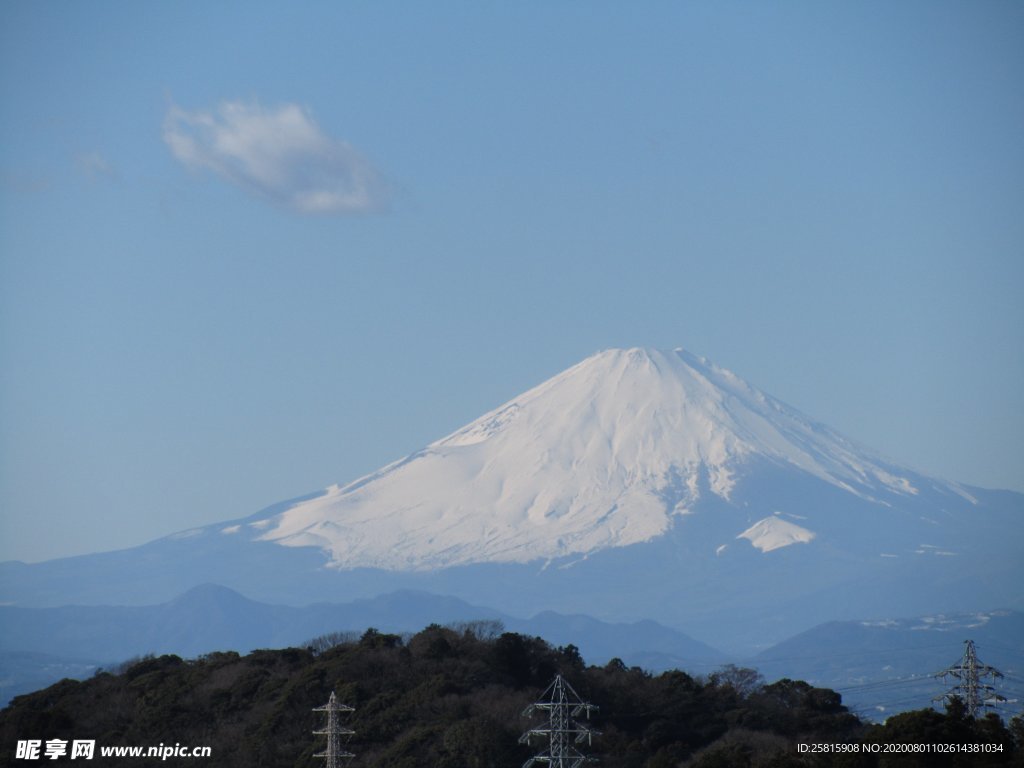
x=454 y=698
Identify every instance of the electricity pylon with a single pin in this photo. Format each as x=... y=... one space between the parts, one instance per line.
x=337 y=735
x=969 y=688
x=562 y=731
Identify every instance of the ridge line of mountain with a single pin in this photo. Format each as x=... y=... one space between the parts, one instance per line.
x=65 y=640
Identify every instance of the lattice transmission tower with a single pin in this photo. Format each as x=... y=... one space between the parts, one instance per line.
x=335 y=755
x=969 y=688
x=562 y=731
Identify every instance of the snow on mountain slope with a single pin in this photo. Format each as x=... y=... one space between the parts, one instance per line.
x=772 y=533
x=607 y=454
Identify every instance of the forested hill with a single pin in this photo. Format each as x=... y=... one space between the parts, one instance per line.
x=454 y=698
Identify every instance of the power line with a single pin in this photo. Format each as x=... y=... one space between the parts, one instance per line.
x=887 y=652
x=879 y=688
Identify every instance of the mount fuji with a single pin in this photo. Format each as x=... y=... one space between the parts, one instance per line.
x=638 y=484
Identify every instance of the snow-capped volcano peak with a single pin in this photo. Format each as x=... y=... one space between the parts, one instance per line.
x=606 y=454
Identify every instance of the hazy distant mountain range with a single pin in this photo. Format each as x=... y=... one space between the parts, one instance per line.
x=880 y=667
x=210 y=617
x=72 y=641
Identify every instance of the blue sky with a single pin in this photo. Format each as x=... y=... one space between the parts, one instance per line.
x=251 y=249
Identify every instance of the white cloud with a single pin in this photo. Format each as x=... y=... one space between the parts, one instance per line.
x=279 y=154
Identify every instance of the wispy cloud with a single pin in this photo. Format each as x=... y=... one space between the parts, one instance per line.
x=94 y=165
x=278 y=153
